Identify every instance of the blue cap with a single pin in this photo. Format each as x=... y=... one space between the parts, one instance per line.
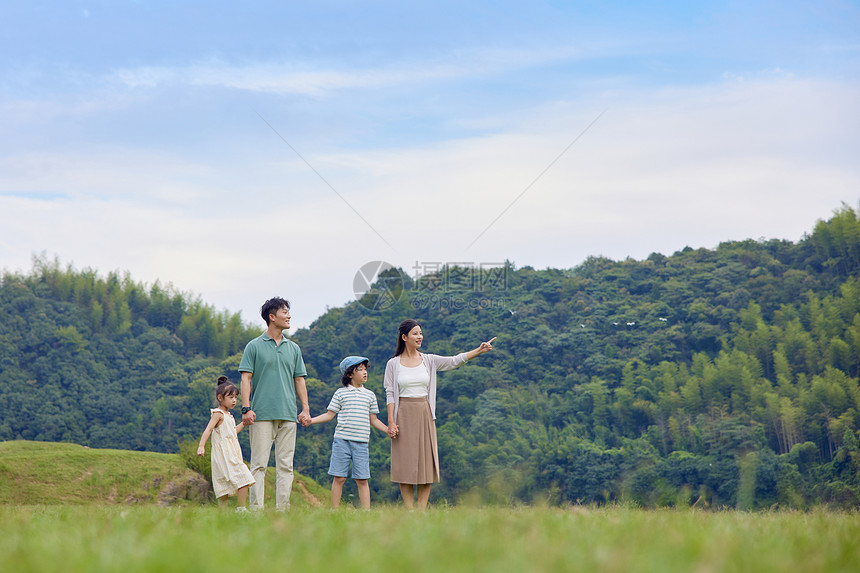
x=351 y=361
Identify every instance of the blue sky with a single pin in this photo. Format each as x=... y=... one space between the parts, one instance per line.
x=154 y=137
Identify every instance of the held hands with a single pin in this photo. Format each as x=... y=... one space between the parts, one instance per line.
x=249 y=417
x=305 y=419
x=393 y=430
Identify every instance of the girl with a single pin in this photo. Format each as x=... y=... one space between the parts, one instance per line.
x=230 y=475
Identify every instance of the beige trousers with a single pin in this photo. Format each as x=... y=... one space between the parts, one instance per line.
x=263 y=434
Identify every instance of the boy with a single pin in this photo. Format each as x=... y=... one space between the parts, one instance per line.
x=356 y=409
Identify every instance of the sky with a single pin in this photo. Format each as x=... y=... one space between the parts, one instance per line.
x=245 y=150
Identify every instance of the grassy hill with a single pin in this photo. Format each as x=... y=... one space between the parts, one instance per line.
x=48 y=473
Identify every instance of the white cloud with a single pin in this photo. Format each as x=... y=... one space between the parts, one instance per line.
x=301 y=79
x=726 y=162
x=660 y=170
x=281 y=79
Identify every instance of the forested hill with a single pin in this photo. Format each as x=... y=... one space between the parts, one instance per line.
x=106 y=361
x=724 y=377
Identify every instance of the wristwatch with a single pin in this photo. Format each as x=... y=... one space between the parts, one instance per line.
x=245 y=410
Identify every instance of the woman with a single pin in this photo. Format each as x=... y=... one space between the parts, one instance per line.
x=410 y=392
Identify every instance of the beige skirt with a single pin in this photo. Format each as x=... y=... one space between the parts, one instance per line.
x=414 y=453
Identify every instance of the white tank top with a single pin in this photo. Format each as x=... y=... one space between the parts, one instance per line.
x=414 y=381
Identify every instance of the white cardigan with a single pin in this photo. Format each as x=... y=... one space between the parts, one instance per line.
x=433 y=363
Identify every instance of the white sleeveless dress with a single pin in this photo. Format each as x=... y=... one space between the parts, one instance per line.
x=229 y=472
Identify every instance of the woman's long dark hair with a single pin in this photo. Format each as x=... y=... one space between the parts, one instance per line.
x=404 y=328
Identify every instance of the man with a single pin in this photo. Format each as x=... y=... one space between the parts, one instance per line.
x=273 y=375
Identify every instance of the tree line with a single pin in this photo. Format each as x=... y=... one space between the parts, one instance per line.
x=723 y=377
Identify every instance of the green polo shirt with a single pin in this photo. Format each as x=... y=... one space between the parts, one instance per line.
x=273 y=368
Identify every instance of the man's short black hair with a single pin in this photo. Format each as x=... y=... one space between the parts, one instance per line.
x=272 y=306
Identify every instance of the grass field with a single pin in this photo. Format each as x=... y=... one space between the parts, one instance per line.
x=157 y=539
x=69 y=509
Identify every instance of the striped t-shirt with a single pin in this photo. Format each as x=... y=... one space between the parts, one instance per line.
x=353 y=407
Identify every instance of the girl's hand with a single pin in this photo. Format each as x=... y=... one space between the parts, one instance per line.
x=201 y=450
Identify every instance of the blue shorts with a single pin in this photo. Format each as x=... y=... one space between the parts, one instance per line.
x=342 y=451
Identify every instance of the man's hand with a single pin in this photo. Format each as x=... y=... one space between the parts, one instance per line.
x=249 y=417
